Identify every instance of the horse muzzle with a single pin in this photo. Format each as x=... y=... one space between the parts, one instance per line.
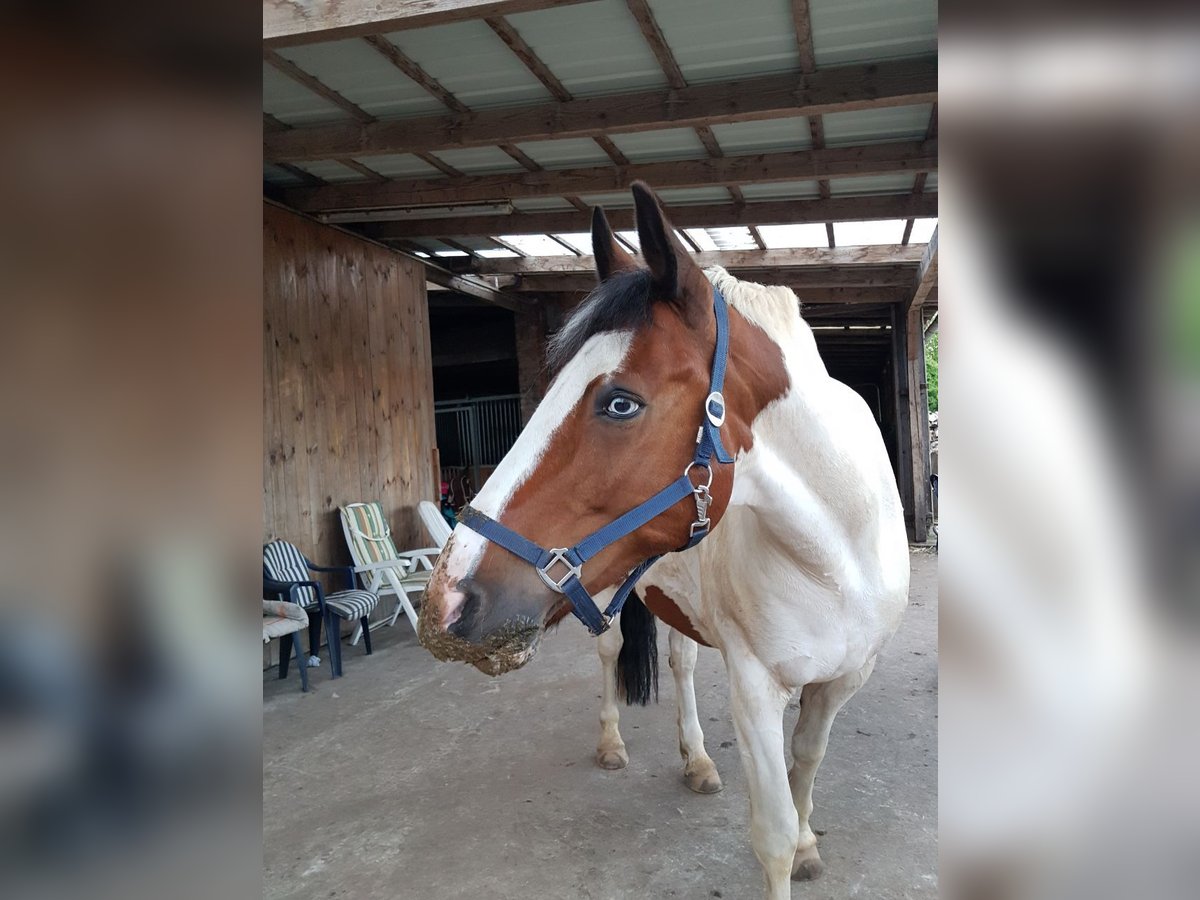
x=466 y=623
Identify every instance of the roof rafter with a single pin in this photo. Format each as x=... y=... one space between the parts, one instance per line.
x=801 y=257
x=872 y=159
x=893 y=83
x=707 y=215
x=286 y=22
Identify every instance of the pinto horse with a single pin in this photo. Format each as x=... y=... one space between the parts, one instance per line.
x=793 y=558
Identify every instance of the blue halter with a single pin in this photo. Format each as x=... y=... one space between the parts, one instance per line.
x=708 y=445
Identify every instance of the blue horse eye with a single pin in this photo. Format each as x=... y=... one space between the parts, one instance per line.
x=621 y=407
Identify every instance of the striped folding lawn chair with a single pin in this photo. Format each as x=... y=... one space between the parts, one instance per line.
x=382 y=568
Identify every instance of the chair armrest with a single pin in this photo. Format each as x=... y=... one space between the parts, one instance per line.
x=398 y=563
x=291 y=588
x=422 y=556
x=347 y=570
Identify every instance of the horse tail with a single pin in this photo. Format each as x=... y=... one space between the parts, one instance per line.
x=637 y=664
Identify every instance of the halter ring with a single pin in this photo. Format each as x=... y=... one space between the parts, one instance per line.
x=707 y=468
x=558 y=555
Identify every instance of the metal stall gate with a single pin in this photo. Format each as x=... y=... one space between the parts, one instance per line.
x=472 y=437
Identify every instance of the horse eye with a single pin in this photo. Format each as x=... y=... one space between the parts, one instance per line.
x=622 y=407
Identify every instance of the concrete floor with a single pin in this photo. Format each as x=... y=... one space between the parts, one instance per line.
x=410 y=778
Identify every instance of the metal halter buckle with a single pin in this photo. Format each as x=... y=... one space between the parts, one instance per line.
x=558 y=555
x=702 y=496
x=716 y=418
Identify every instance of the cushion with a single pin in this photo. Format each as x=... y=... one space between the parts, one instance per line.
x=282 y=618
x=352 y=604
x=283 y=562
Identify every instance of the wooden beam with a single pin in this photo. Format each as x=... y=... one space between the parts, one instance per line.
x=926 y=278
x=802 y=21
x=896 y=279
x=472 y=287
x=919 y=181
x=289 y=22
x=318 y=87
x=872 y=159
x=409 y=67
x=782 y=212
x=892 y=83
x=918 y=417
x=658 y=44
x=818 y=257
x=531 y=60
x=358 y=167
x=512 y=248
x=574 y=250
x=613 y=151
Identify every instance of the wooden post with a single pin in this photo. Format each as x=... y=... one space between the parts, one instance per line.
x=918 y=414
x=903 y=411
x=532 y=377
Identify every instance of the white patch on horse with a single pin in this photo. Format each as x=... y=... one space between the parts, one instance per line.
x=602 y=354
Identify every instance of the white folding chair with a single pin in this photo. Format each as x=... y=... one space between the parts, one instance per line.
x=381 y=567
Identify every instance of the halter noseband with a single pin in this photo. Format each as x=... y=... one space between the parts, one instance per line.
x=571 y=559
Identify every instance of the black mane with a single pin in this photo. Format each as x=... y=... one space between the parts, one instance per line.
x=620 y=302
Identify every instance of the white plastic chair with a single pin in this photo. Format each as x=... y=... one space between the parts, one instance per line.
x=435 y=523
x=382 y=568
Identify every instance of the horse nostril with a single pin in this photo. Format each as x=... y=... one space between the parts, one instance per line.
x=468 y=612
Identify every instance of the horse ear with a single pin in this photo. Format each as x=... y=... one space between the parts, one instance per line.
x=667 y=260
x=610 y=256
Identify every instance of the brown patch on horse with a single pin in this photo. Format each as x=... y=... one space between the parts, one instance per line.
x=669 y=612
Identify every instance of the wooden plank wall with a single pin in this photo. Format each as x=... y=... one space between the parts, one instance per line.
x=347 y=385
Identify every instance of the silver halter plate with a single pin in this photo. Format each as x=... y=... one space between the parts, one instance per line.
x=558 y=555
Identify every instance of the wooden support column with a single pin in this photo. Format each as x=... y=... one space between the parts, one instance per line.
x=532 y=377
x=918 y=431
x=903 y=415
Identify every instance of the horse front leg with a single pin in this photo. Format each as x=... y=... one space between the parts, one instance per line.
x=819 y=704
x=757 y=702
x=699 y=771
x=610 y=752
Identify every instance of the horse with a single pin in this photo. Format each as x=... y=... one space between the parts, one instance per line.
x=629 y=670
x=781 y=544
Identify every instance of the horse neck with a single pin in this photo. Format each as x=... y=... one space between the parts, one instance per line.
x=800 y=450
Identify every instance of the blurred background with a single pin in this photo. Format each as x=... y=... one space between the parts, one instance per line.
x=130 y=459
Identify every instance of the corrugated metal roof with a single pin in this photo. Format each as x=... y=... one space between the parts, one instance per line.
x=715 y=40
x=653 y=146
x=276 y=175
x=593 y=48
x=615 y=200
x=363 y=76
x=873 y=126
x=740 y=138
x=329 y=170
x=597 y=48
x=565 y=154
x=781 y=190
x=401 y=165
x=479 y=160
x=494 y=75
x=714 y=194
x=294 y=104
x=855 y=31
x=899 y=183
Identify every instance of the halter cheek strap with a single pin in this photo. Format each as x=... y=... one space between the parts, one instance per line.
x=561 y=567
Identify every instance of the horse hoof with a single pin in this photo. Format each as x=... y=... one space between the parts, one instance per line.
x=612 y=759
x=703 y=782
x=809 y=868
